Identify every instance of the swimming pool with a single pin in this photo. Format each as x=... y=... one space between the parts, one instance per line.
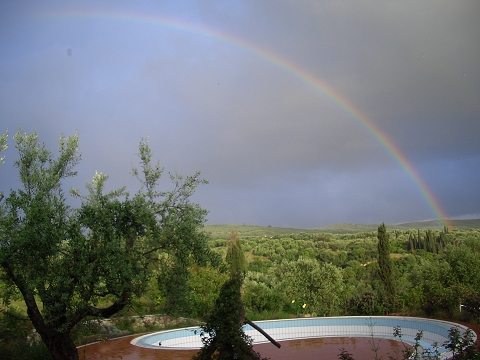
x=434 y=331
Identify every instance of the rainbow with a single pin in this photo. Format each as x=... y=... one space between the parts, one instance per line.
x=302 y=74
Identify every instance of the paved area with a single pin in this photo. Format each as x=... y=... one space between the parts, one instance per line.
x=122 y=349
x=311 y=349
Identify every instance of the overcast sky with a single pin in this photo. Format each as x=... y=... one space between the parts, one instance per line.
x=262 y=97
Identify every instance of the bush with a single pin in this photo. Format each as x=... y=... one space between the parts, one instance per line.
x=258 y=297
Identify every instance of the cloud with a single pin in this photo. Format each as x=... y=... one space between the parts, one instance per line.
x=276 y=149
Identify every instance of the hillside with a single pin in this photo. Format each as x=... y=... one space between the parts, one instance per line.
x=436 y=224
x=222 y=231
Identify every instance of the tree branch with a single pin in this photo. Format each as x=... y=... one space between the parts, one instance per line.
x=261 y=331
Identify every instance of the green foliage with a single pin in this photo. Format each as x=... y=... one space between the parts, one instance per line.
x=204 y=286
x=226 y=339
x=471 y=304
x=260 y=297
x=17 y=338
x=3 y=145
x=172 y=281
x=425 y=282
x=413 y=352
x=326 y=256
x=461 y=344
x=356 y=230
x=367 y=303
x=235 y=256
x=314 y=287
x=430 y=242
x=345 y=355
x=385 y=265
x=90 y=261
x=464 y=261
x=257 y=265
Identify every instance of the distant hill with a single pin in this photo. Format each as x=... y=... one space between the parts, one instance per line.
x=348 y=228
x=438 y=225
x=223 y=231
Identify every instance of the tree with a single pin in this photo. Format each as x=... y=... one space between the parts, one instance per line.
x=73 y=263
x=312 y=287
x=226 y=339
x=3 y=147
x=385 y=264
x=235 y=256
x=464 y=262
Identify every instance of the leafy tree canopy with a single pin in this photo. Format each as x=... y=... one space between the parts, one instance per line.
x=72 y=263
x=312 y=287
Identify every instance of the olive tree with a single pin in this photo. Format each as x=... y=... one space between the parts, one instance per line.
x=70 y=263
x=312 y=286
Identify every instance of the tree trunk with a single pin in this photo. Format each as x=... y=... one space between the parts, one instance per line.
x=261 y=331
x=61 y=346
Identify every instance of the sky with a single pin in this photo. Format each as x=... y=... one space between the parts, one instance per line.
x=298 y=113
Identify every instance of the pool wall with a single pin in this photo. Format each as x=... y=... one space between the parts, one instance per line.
x=434 y=331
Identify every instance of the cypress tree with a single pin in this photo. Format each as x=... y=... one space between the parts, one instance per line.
x=440 y=242
x=235 y=256
x=385 y=264
x=226 y=339
x=411 y=242
x=420 y=241
x=433 y=242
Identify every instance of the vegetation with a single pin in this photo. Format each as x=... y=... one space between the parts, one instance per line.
x=427 y=280
x=70 y=264
x=460 y=345
x=222 y=334
x=385 y=266
x=222 y=231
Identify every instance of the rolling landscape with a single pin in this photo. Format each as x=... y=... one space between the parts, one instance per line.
x=142 y=144
x=217 y=231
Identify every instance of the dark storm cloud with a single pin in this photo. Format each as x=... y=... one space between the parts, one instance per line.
x=276 y=150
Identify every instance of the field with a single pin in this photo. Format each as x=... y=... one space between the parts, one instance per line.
x=223 y=231
x=327 y=271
